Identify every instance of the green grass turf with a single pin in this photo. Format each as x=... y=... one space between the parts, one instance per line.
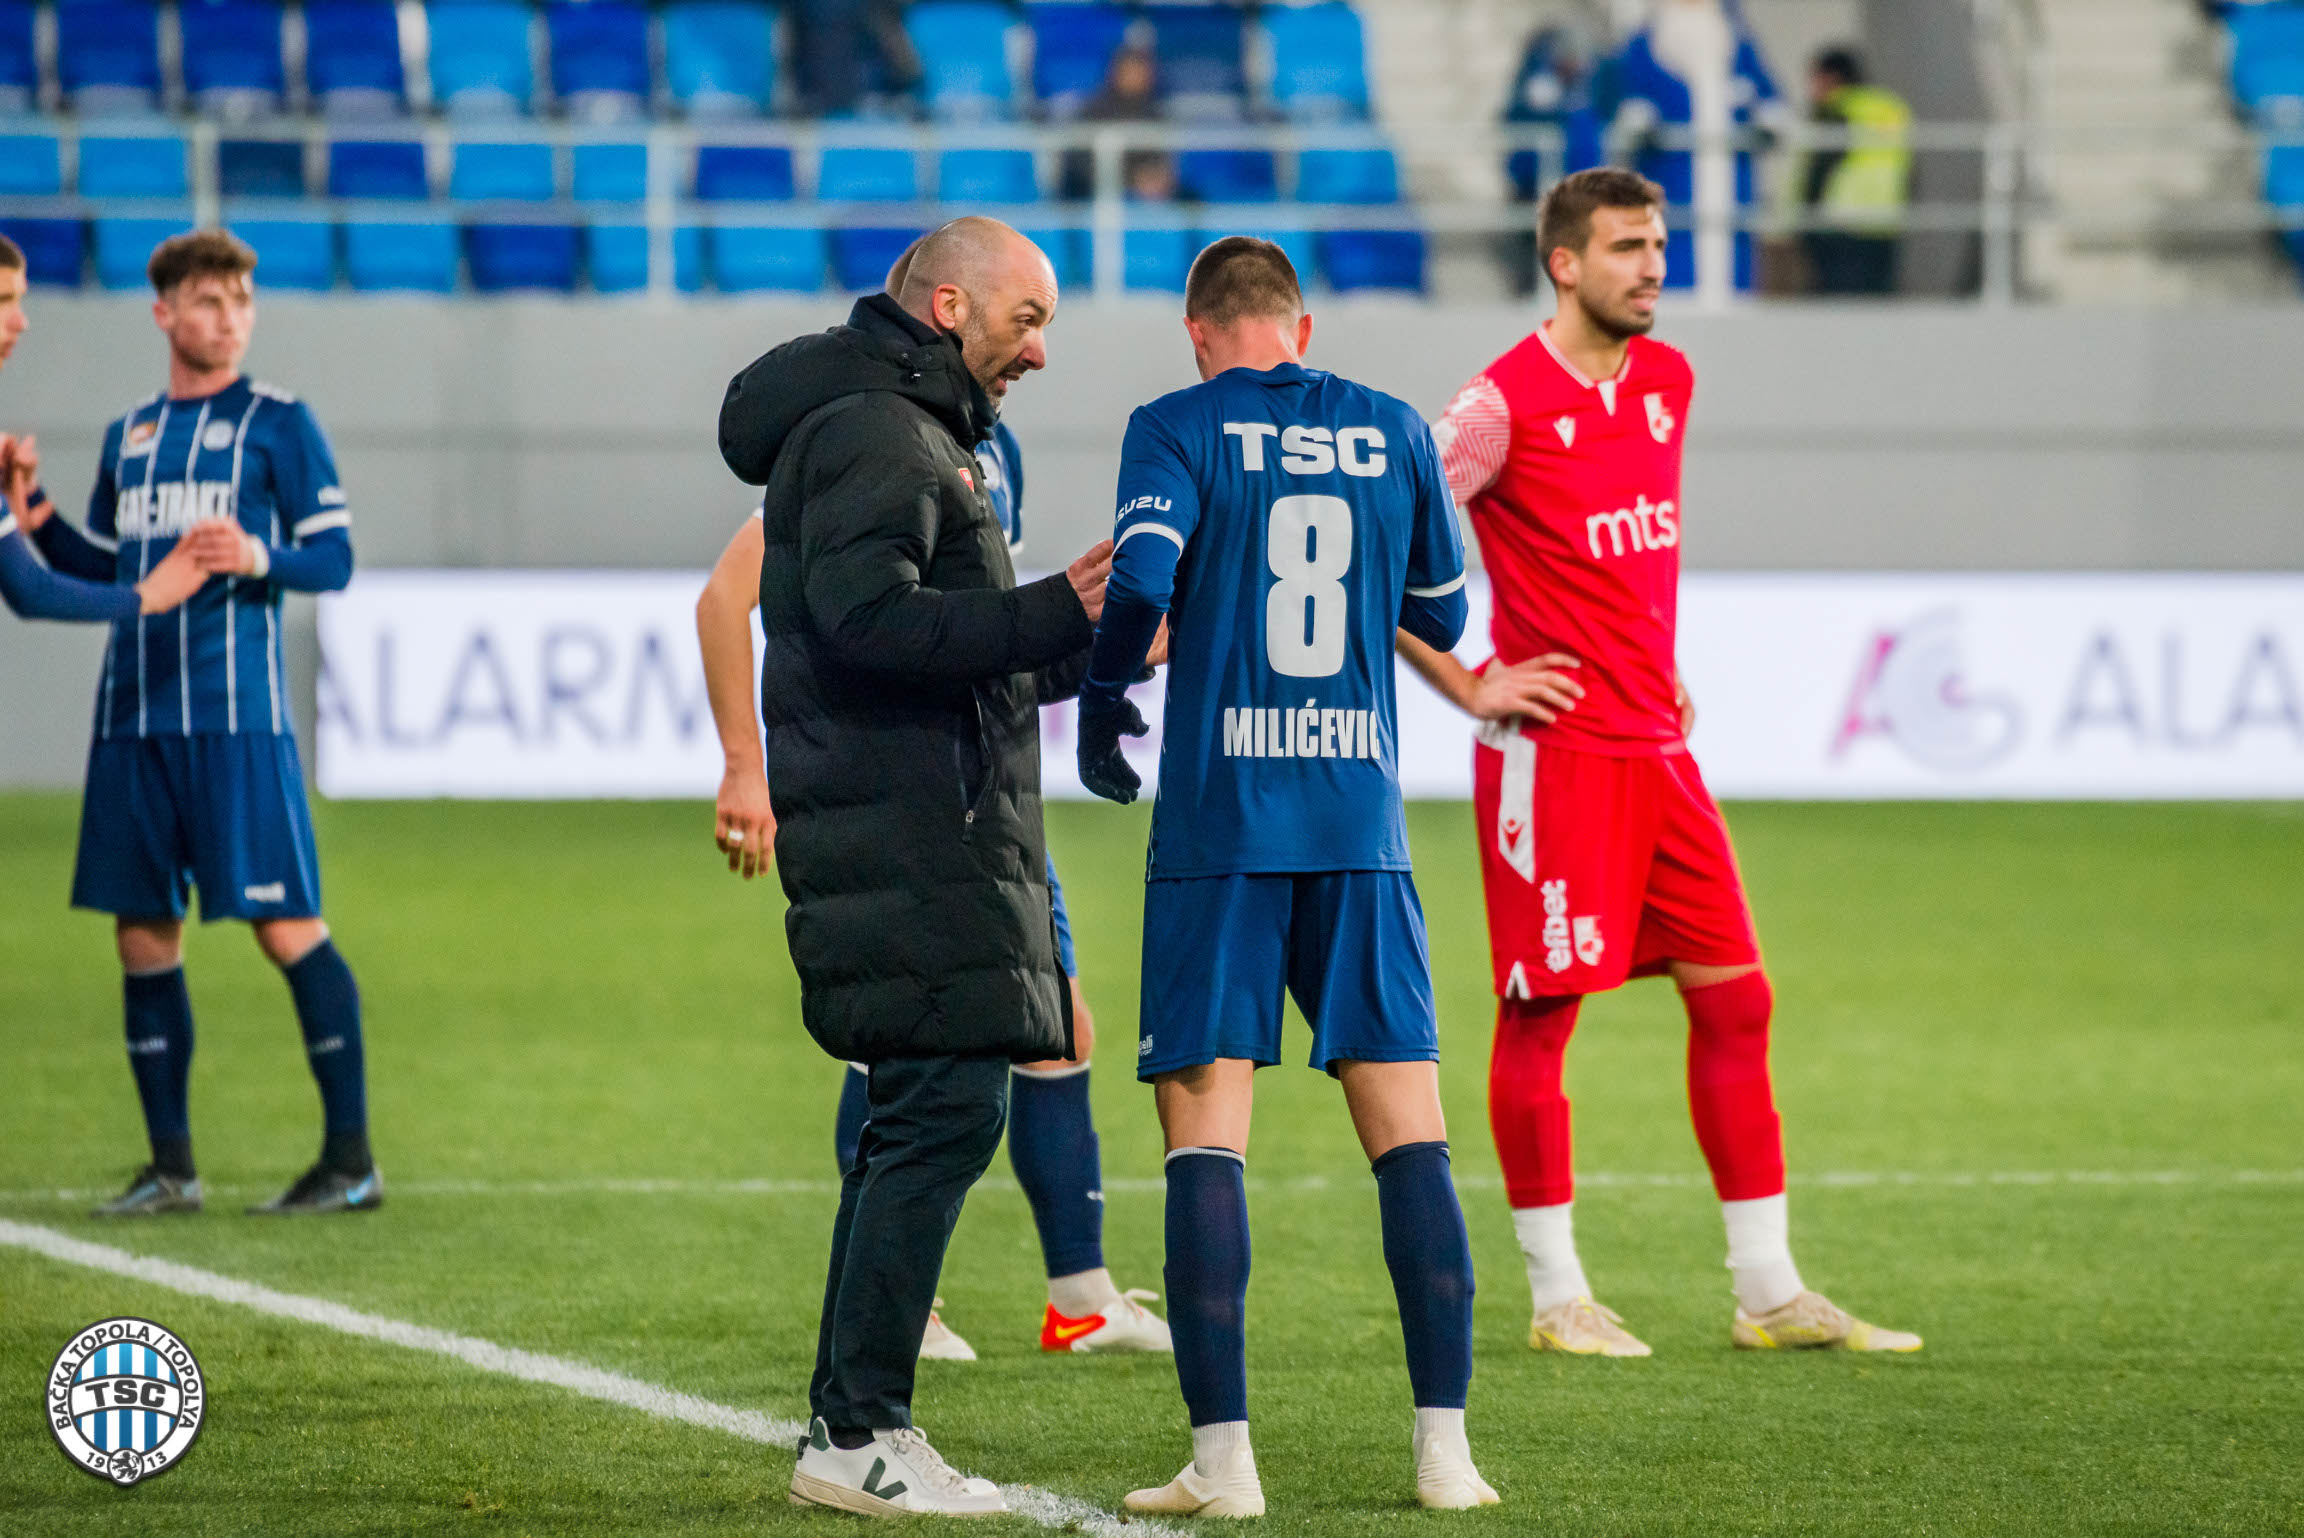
x=573 y=993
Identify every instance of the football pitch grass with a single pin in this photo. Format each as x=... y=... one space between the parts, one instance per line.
x=2040 y=1069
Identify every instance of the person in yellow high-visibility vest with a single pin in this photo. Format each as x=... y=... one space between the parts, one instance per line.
x=1857 y=186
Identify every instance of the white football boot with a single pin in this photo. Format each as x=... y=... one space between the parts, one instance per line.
x=1124 y=1324
x=1233 y=1490
x=941 y=1343
x=1445 y=1477
x=896 y=1474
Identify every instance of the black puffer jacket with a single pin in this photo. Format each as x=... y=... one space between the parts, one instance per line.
x=900 y=689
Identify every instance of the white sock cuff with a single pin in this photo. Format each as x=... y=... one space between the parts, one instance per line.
x=1439 y=1424
x=1240 y=1159
x=1068 y=1071
x=1213 y=1443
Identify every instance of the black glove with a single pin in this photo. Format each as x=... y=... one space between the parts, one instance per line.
x=1104 y=769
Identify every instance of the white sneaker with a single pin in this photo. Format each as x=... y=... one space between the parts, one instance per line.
x=1232 y=1491
x=940 y=1344
x=895 y=1474
x=1124 y=1324
x=1445 y=1477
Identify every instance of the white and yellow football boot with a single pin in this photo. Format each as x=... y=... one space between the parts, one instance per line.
x=1445 y=1477
x=941 y=1343
x=1813 y=1322
x=1232 y=1490
x=1582 y=1327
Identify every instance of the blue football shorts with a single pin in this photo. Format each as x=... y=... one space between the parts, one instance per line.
x=1064 y=956
x=225 y=813
x=1220 y=950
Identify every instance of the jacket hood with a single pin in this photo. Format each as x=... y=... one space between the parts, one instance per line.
x=881 y=349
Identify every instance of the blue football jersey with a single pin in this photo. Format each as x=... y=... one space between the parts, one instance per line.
x=250 y=453
x=1307 y=509
x=1001 y=462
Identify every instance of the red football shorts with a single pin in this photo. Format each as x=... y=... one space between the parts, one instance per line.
x=1598 y=868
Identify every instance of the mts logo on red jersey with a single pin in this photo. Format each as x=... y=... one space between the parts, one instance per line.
x=1645 y=525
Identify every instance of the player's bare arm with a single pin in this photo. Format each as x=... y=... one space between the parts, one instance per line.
x=1542 y=688
x=743 y=821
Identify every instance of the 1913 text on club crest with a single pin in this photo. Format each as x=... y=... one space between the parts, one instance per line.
x=125 y=1399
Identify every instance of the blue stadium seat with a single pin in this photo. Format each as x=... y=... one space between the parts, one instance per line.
x=516 y=172
x=720 y=57
x=1070 y=252
x=480 y=64
x=1228 y=176
x=290 y=252
x=512 y=253
x=1202 y=74
x=19 y=57
x=963 y=48
x=861 y=257
x=746 y=260
x=260 y=168
x=616 y=257
x=850 y=173
x=1297 y=243
x=987 y=176
x=1319 y=62
x=231 y=56
x=1156 y=259
x=737 y=173
x=1362 y=259
x=600 y=60
x=141 y=167
x=2267 y=53
x=352 y=58
x=124 y=245
x=53 y=248
x=387 y=168
x=611 y=173
x=31 y=166
x=1072 y=48
x=1347 y=176
x=108 y=55
x=409 y=254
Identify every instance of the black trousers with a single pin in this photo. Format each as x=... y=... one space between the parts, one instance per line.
x=1853 y=264
x=935 y=1124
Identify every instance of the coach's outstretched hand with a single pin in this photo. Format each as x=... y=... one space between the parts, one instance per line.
x=1089 y=576
x=1104 y=769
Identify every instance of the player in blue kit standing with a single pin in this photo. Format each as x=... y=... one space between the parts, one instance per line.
x=193 y=776
x=1287 y=522
x=1052 y=1140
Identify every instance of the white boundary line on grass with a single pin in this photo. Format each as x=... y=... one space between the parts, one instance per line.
x=1045 y=1507
x=1134 y=1185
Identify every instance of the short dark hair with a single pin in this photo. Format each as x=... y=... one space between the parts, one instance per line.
x=1566 y=217
x=11 y=255
x=1842 y=63
x=198 y=254
x=1241 y=276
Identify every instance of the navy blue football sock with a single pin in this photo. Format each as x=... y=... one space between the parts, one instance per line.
x=848 y=1121
x=328 y=1008
x=1052 y=1144
x=1207 y=1274
x=159 y=1017
x=1431 y=1263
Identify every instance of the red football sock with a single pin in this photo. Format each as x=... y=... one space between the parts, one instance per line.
x=1526 y=1110
x=1728 y=1090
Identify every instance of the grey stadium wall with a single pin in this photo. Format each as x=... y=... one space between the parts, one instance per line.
x=554 y=434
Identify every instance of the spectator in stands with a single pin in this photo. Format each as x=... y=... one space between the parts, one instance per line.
x=1131 y=94
x=1694 y=76
x=837 y=38
x=1557 y=87
x=1857 y=186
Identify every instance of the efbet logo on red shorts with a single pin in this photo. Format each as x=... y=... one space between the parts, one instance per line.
x=1567 y=940
x=126 y=1400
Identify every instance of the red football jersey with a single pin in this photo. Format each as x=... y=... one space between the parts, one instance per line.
x=1574 y=489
